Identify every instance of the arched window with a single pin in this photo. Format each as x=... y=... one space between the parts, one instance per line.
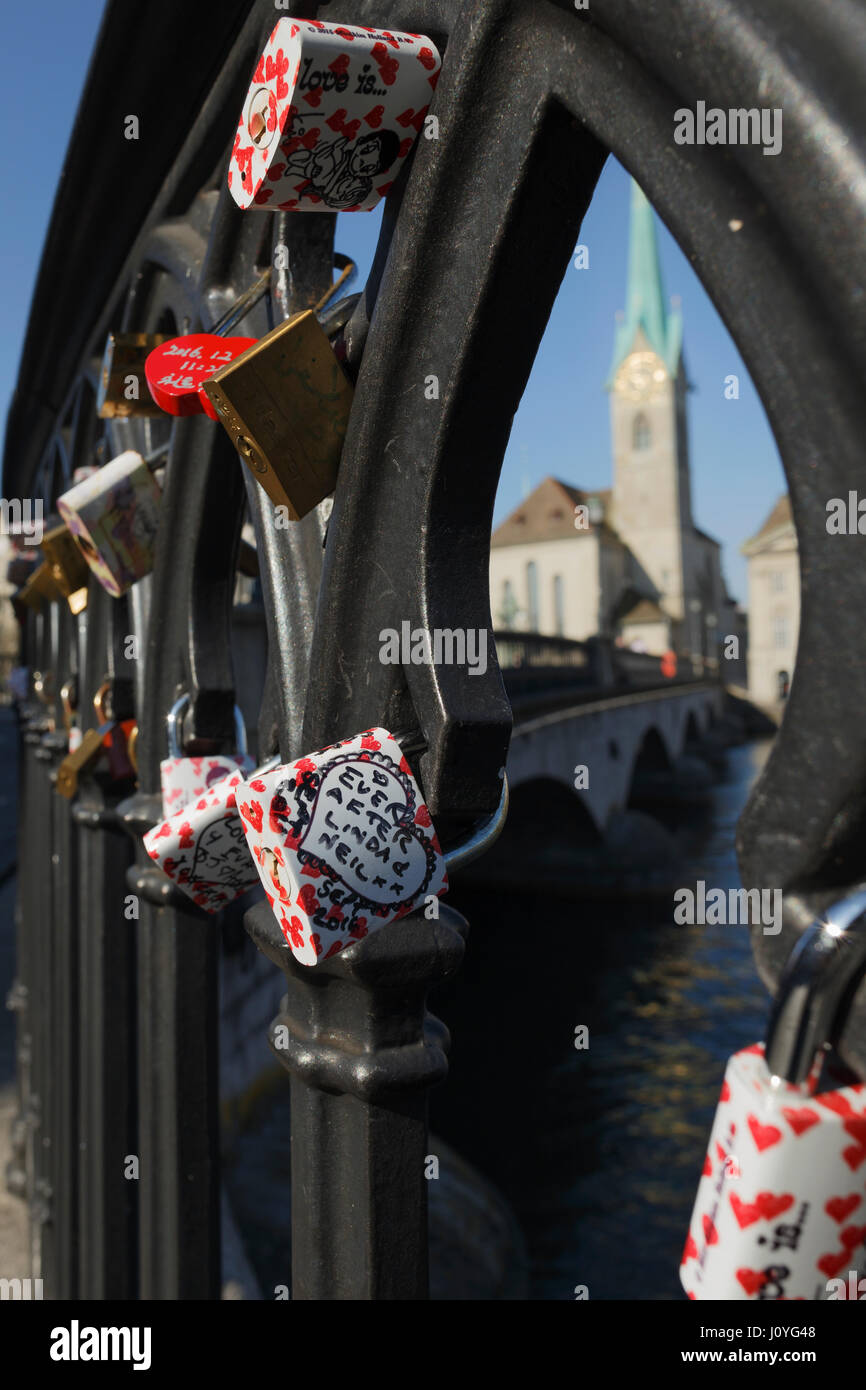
x=532 y=594
x=640 y=432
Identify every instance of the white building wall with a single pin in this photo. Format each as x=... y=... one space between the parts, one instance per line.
x=575 y=560
x=774 y=617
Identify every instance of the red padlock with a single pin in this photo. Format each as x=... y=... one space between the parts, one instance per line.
x=115 y=740
x=176 y=370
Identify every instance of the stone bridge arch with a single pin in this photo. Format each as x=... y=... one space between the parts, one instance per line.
x=593 y=749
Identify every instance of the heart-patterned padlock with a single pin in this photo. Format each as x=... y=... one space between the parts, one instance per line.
x=344 y=843
x=201 y=846
x=186 y=779
x=780 y=1211
x=330 y=115
x=114 y=517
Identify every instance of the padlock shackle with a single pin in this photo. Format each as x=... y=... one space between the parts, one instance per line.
x=242 y=305
x=99 y=700
x=67 y=691
x=822 y=966
x=480 y=839
x=173 y=722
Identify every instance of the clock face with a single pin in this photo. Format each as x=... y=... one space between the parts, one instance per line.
x=640 y=376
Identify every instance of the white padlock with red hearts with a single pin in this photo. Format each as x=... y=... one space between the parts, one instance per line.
x=780 y=1211
x=330 y=115
x=344 y=842
x=201 y=846
x=185 y=779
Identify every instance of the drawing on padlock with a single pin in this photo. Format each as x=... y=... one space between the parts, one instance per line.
x=201 y=846
x=123 y=391
x=780 y=1210
x=184 y=779
x=114 y=517
x=330 y=115
x=344 y=843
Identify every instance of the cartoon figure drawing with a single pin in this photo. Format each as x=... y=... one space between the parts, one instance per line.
x=340 y=173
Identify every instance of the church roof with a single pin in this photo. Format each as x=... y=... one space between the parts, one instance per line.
x=645 y=301
x=547 y=514
x=780 y=518
x=705 y=536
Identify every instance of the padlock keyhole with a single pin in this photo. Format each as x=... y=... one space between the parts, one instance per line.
x=257 y=121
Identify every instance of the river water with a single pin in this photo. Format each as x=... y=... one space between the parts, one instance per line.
x=599 y=1151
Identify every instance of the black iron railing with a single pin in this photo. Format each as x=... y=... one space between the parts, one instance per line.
x=116 y=1009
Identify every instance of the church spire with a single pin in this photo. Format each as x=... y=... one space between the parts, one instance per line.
x=645 y=301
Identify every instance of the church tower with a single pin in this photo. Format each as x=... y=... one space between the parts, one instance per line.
x=648 y=385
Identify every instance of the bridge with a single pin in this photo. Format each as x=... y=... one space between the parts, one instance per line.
x=604 y=721
x=605 y=749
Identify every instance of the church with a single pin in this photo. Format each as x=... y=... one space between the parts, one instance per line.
x=626 y=562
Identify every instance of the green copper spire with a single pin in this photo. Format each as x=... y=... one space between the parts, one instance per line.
x=645 y=302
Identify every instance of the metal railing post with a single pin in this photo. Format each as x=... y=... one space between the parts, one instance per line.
x=362 y=1051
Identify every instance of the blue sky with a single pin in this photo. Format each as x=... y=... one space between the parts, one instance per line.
x=562 y=425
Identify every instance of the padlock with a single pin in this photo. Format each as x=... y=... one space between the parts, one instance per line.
x=119 y=765
x=114 y=517
x=344 y=843
x=330 y=115
x=87 y=754
x=40 y=587
x=183 y=779
x=285 y=403
x=780 y=1211
x=202 y=847
x=123 y=391
x=68 y=566
x=176 y=369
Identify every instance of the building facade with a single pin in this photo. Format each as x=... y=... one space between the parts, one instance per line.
x=626 y=562
x=774 y=604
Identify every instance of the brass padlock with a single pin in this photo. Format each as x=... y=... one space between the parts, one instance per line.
x=88 y=750
x=67 y=565
x=123 y=390
x=285 y=403
x=39 y=587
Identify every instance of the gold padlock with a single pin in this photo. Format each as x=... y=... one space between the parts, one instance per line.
x=285 y=403
x=39 y=587
x=67 y=565
x=122 y=372
x=74 y=764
